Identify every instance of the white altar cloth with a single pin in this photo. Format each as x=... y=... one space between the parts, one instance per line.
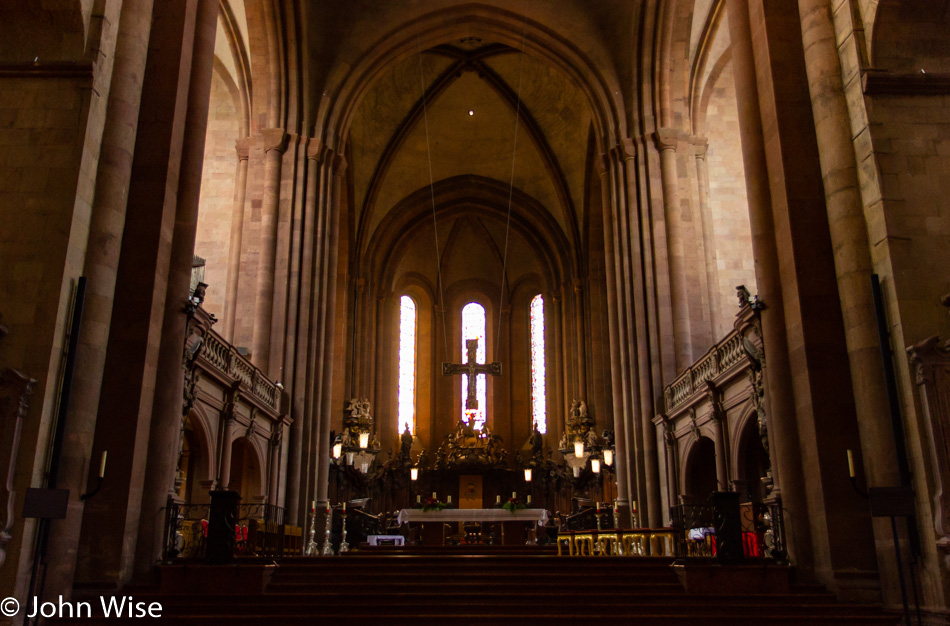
x=540 y=516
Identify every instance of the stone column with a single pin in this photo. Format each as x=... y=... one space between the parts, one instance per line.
x=709 y=235
x=722 y=445
x=100 y=268
x=849 y=238
x=276 y=444
x=579 y=317
x=323 y=452
x=166 y=410
x=275 y=142
x=643 y=383
x=242 y=147
x=301 y=428
x=786 y=469
x=622 y=462
x=227 y=434
x=666 y=140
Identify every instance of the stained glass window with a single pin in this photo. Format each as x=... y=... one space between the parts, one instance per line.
x=473 y=327
x=407 y=364
x=538 y=404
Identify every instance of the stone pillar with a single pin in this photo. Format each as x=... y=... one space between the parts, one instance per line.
x=579 y=317
x=323 y=451
x=227 y=434
x=709 y=236
x=275 y=142
x=275 y=445
x=622 y=462
x=298 y=447
x=242 y=147
x=643 y=382
x=722 y=446
x=849 y=238
x=786 y=468
x=666 y=140
x=166 y=410
x=852 y=256
x=100 y=268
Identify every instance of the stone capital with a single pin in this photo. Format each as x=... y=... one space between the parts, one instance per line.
x=666 y=139
x=274 y=139
x=700 y=145
x=243 y=148
x=578 y=285
x=627 y=149
x=602 y=164
x=339 y=164
x=315 y=150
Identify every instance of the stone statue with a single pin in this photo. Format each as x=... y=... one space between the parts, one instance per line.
x=535 y=441
x=405 y=443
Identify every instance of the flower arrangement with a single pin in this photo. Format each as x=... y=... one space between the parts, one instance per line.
x=512 y=505
x=432 y=504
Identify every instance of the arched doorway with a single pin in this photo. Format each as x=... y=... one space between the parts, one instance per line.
x=700 y=477
x=191 y=464
x=245 y=476
x=753 y=464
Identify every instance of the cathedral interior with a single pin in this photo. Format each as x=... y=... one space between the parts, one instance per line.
x=630 y=252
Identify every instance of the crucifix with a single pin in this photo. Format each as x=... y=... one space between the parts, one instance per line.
x=471 y=369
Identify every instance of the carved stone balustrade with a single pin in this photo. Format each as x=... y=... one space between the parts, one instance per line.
x=720 y=399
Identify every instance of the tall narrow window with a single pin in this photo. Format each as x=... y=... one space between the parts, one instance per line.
x=538 y=404
x=407 y=364
x=473 y=327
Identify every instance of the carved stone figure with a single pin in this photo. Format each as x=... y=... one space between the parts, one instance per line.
x=405 y=443
x=535 y=441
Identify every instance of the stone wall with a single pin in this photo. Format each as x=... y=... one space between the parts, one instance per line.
x=728 y=206
x=217 y=191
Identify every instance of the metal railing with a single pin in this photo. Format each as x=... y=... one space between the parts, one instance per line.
x=259 y=531
x=763 y=530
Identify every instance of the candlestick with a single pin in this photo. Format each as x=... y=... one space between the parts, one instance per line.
x=850 y=464
x=102 y=463
x=327 y=546
x=312 y=546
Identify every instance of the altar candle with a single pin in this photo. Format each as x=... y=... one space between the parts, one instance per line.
x=850 y=464
x=328 y=506
x=433 y=496
x=449 y=499
x=634 y=506
x=418 y=499
x=497 y=499
x=514 y=495
x=313 y=505
x=344 y=507
x=529 y=498
x=102 y=464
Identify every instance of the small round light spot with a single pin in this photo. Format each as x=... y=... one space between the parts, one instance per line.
x=471 y=111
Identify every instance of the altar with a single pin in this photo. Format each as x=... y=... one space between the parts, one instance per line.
x=512 y=527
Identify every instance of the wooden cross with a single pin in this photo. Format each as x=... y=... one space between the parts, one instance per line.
x=471 y=369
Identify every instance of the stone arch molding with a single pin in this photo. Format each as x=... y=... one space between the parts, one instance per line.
x=602 y=89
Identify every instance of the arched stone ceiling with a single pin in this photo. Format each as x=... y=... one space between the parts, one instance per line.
x=388 y=151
